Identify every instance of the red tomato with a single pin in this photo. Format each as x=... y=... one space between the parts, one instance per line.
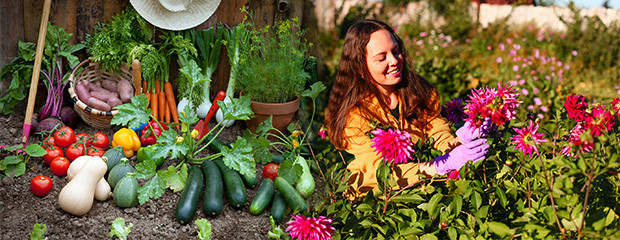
x=100 y=140
x=41 y=185
x=52 y=153
x=84 y=138
x=74 y=151
x=48 y=143
x=271 y=171
x=64 y=137
x=59 y=166
x=95 y=152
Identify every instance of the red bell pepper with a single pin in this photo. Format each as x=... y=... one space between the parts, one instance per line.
x=149 y=133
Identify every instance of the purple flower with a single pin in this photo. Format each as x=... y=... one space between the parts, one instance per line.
x=453 y=110
x=311 y=228
x=394 y=145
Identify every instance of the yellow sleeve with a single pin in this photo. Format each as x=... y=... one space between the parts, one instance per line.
x=439 y=129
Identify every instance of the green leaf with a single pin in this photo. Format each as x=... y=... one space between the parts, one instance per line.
x=314 y=90
x=204 y=229
x=168 y=140
x=119 y=229
x=193 y=84
x=15 y=169
x=457 y=203
x=499 y=228
x=265 y=126
x=291 y=172
x=237 y=109
x=144 y=170
x=14 y=147
x=38 y=231
x=428 y=236
x=173 y=179
x=433 y=203
x=11 y=160
x=239 y=157
x=35 y=150
x=152 y=189
x=501 y=196
x=409 y=198
x=133 y=114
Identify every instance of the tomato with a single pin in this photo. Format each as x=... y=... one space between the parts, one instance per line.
x=100 y=140
x=59 y=166
x=41 y=185
x=95 y=152
x=84 y=138
x=74 y=151
x=271 y=171
x=53 y=152
x=64 y=137
x=49 y=142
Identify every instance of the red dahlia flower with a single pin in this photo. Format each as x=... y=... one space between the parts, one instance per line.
x=576 y=107
x=599 y=120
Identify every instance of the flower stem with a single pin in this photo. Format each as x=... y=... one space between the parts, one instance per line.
x=557 y=219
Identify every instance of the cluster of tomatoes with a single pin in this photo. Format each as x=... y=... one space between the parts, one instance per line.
x=59 y=160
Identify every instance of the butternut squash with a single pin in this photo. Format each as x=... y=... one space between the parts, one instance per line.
x=77 y=196
x=103 y=191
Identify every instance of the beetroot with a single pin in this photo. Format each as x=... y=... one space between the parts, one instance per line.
x=49 y=124
x=68 y=116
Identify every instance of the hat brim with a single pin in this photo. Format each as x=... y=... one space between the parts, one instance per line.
x=198 y=11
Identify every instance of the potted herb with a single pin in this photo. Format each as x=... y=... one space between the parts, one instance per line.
x=271 y=68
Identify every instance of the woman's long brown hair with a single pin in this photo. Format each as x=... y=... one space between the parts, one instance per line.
x=354 y=83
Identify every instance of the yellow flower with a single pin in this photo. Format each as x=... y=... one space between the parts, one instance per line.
x=194 y=133
x=295 y=144
x=179 y=139
x=296 y=133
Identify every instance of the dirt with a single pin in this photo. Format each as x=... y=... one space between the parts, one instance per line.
x=20 y=209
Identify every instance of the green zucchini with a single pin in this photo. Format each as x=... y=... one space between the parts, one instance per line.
x=235 y=190
x=278 y=207
x=214 y=189
x=119 y=171
x=217 y=145
x=251 y=181
x=263 y=197
x=113 y=157
x=126 y=192
x=291 y=196
x=186 y=207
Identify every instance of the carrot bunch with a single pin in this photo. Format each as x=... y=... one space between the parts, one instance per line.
x=161 y=101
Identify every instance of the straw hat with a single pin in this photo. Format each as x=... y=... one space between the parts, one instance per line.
x=175 y=14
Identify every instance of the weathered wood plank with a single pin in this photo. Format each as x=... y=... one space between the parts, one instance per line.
x=11 y=30
x=63 y=14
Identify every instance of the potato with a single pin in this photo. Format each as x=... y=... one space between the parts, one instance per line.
x=103 y=96
x=109 y=85
x=113 y=102
x=82 y=92
x=96 y=86
x=125 y=90
x=98 y=104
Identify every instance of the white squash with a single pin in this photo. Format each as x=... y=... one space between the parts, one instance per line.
x=77 y=196
x=103 y=191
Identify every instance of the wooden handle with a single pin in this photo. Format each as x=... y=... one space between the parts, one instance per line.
x=136 y=72
x=34 y=81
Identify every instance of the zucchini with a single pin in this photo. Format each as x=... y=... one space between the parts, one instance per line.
x=119 y=171
x=305 y=185
x=113 y=157
x=278 y=207
x=126 y=192
x=235 y=190
x=217 y=145
x=291 y=196
x=263 y=197
x=186 y=207
x=214 y=189
x=251 y=181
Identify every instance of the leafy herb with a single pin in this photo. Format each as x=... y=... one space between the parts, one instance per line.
x=119 y=230
x=204 y=229
x=276 y=232
x=38 y=231
x=15 y=163
x=191 y=84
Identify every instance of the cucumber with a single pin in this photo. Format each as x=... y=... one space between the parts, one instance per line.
x=126 y=192
x=278 y=207
x=249 y=182
x=186 y=207
x=277 y=158
x=119 y=171
x=291 y=196
x=217 y=145
x=214 y=189
x=263 y=197
x=305 y=185
x=113 y=157
x=235 y=190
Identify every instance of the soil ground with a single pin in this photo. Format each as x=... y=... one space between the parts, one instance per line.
x=20 y=209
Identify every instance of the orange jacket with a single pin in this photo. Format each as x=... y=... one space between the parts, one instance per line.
x=366 y=162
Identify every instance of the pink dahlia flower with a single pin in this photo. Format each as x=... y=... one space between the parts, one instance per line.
x=599 y=120
x=615 y=106
x=496 y=104
x=454 y=175
x=527 y=138
x=322 y=133
x=394 y=145
x=311 y=228
x=579 y=143
x=576 y=107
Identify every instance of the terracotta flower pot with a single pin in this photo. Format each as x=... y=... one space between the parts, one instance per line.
x=282 y=114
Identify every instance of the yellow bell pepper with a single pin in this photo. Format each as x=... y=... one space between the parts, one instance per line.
x=128 y=139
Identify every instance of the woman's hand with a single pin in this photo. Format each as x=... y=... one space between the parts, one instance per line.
x=468 y=132
x=459 y=156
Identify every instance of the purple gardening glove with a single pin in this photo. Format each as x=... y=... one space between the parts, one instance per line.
x=459 y=156
x=468 y=132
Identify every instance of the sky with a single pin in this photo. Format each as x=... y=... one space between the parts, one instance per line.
x=615 y=4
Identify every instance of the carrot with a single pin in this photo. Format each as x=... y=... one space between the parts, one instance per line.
x=162 y=105
x=157 y=87
x=167 y=111
x=154 y=105
x=171 y=103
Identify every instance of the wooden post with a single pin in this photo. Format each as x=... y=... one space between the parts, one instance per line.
x=11 y=31
x=63 y=14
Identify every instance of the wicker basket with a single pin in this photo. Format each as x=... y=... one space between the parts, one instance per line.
x=92 y=72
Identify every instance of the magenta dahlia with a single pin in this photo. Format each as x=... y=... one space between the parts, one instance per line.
x=580 y=141
x=599 y=120
x=322 y=133
x=311 y=228
x=394 y=145
x=496 y=104
x=576 y=107
x=615 y=106
x=453 y=110
x=527 y=138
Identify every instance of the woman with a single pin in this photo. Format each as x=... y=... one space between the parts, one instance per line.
x=375 y=83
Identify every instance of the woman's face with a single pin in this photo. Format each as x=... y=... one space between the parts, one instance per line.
x=384 y=59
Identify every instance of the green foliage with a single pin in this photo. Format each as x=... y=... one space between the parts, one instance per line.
x=15 y=164
x=119 y=230
x=204 y=229
x=272 y=62
x=38 y=231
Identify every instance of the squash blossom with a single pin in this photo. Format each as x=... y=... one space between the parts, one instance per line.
x=295 y=144
x=179 y=139
x=296 y=133
x=194 y=133
x=184 y=126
